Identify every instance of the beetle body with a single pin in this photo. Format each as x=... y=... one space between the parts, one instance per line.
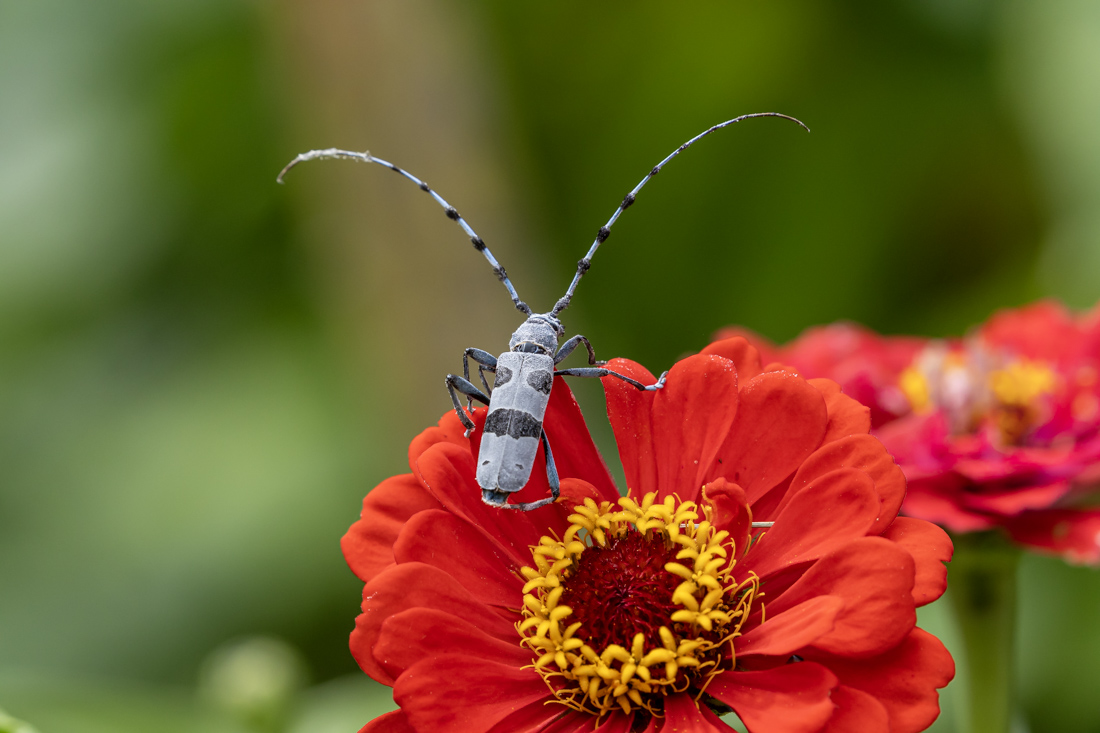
x=513 y=426
x=517 y=405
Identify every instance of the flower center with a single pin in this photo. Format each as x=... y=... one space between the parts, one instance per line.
x=974 y=387
x=1018 y=390
x=636 y=601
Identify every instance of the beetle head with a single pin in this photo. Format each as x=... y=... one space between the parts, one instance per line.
x=539 y=333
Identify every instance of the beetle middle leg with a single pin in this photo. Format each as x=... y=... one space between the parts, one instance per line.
x=568 y=347
x=551 y=478
x=466 y=387
x=485 y=362
x=601 y=372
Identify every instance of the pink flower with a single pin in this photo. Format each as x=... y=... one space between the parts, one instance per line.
x=999 y=429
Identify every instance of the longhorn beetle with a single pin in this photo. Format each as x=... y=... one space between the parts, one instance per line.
x=525 y=373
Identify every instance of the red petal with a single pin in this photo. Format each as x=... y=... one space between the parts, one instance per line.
x=731 y=511
x=448 y=472
x=414 y=585
x=788 y=631
x=904 y=679
x=778 y=366
x=937 y=500
x=931 y=548
x=368 y=544
x=874 y=579
x=575 y=454
x=410 y=636
x=846 y=415
x=574 y=491
x=619 y=722
x=392 y=722
x=683 y=715
x=1043 y=330
x=574 y=722
x=780 y=421
x=692 y=416
x=745 y=357
x=921 y=442
x=793 y=698
x=827 y=514
x=857 y=712
x=631 y=414
x=1073 y=534
x=453 y=693
x=448 y=430
x=1015 y=501
x=868 y=455
x=465 y=552
x=767 y=349
x=541 y=717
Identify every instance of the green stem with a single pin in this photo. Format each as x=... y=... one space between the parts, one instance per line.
x=982 y=583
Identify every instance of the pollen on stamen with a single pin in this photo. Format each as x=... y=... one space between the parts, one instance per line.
x=634 y=602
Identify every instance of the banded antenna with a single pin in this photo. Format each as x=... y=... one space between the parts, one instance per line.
x=451 y=212
x=605 y=230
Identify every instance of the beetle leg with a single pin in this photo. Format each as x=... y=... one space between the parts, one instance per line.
x=601 y=372
x=568 y=347
x=455 y=382
x=485 y=362
x=551 y=469
x=499 y=499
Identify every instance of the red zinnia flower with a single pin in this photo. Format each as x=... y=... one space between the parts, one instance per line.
x=999 y=429
x=659 y=610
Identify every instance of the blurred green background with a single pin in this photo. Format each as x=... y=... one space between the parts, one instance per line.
x=201 y=372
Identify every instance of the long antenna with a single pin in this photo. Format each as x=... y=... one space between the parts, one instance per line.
x=605 y=230
x=453 y=214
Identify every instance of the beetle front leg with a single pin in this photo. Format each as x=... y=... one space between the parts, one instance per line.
x=485 y=362
x=466 y=387
x=568 y=347
x=601 y=372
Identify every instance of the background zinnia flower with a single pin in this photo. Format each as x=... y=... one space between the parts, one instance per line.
x=662 y=609
x=1000 y=429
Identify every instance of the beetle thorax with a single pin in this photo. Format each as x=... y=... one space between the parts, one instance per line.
x=538 y=334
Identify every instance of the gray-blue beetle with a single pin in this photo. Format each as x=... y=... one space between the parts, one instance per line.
x=525 y=373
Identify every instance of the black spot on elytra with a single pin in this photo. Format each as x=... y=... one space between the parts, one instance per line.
x=513 y=423
x=541 y=380
x=504 y=375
